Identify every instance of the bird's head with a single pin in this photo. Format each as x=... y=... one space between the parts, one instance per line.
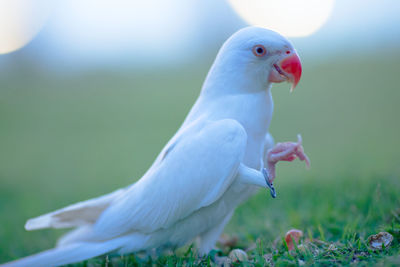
x=255 y=57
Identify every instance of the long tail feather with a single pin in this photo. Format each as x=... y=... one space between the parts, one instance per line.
x=68 y=254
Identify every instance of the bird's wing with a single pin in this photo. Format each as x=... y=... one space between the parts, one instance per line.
x=195 y=173
x=78 y=214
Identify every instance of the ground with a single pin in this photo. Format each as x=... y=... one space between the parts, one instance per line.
x=66 y=138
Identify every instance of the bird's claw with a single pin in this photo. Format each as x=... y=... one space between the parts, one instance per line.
x=269 y=184
x=287 y=151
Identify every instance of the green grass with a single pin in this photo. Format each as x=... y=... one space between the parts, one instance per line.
x=66 y=138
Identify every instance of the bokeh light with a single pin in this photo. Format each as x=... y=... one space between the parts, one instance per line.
x=288 y=17
x=20 y=21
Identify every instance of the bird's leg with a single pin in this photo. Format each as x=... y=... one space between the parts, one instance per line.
x=287 y=151
x=255 y=177
x=208 y=239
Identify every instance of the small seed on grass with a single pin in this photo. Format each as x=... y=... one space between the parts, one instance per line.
x=237 y=255
x=381 y=239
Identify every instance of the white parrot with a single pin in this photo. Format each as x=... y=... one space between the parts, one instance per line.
x=212 y=164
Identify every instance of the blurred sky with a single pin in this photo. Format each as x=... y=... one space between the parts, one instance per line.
x=78 y=34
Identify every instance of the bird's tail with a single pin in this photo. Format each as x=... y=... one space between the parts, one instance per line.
x=69 y=253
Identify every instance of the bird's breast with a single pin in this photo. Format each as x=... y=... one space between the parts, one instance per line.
x=252 y=110
x=254 y=113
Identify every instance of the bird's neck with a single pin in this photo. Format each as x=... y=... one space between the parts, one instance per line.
x=252 y=109
x=233 y=91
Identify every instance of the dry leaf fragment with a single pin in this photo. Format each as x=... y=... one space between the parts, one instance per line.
x=382 y=238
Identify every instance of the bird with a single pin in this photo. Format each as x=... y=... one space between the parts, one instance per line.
x=221 y=154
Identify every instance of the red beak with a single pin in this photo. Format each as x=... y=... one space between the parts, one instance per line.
x=292 y=67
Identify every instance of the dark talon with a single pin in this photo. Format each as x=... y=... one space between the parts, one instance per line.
x=269 y=184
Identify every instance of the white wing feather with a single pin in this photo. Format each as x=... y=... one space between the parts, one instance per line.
x=195 y=173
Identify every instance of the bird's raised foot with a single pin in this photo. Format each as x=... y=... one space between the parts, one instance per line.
x=287 y=151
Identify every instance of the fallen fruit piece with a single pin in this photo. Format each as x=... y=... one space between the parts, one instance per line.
x=293 y=235
x=237 y=255
x=376 y=241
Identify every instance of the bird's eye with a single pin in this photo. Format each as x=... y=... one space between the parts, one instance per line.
x=259 y=50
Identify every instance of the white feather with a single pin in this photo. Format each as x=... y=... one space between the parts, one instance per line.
x=194 y=174
x=68 y=254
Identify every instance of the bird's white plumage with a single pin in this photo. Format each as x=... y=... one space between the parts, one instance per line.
x=194 y=174
x=211 y=165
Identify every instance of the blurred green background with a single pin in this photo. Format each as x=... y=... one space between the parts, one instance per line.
x=67 y=136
